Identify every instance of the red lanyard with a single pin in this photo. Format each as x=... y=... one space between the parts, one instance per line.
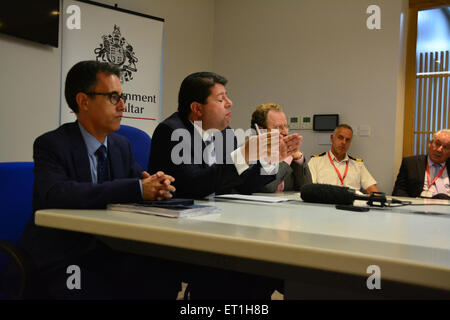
x=435 y=178
x=337 y=171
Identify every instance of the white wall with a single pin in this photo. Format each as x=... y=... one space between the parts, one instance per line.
x=314 y=57
x=29 y=95
x=188 y=40
x=310 y=56
x=30 y=73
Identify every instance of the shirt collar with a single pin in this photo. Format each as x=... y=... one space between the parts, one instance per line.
x=91 y=142
x=335 y=159
x=204 y=134
x=430 y=163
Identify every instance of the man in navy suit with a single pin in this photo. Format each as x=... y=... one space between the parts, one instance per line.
x=84 y=165
x=196 y=146
x=204 y=116
x=427 y=175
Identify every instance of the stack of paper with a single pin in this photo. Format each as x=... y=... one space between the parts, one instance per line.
x=251 y=198
x=175 y=212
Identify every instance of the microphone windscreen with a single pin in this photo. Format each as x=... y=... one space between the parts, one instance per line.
x=326 y=193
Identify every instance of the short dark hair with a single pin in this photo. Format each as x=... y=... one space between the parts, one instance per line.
x=196 y=88
x=82 y=77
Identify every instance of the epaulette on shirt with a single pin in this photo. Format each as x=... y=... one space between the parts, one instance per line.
x=319 y=155
x=356 y=159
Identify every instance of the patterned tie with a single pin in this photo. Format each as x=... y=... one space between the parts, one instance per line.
x=102 y=165
x=439 y=183
x=280 y=187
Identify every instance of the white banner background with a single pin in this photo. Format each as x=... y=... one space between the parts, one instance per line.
x=144 y=34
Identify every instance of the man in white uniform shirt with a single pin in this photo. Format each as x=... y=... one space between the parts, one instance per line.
x=336 y=167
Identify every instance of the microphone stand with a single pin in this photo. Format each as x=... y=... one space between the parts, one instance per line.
x=374 y=197
x=377 y=197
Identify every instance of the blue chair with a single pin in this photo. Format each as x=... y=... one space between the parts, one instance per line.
x=16 y=194
x=140 y=144
x=16 y=197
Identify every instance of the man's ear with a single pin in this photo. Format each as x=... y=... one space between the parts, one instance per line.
x=82 y=100
x=196 y=109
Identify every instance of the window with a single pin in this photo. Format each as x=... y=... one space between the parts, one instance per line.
x=428 y=76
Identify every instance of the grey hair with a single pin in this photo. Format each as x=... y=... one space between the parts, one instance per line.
x=447 y=131
x=343 y=125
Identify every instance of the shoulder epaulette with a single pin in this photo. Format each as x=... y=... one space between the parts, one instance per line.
x=318 y=155
x=356 y=159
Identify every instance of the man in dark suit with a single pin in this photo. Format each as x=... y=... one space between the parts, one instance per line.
x=292 y=172
x=426 y=175
x=207 y=161
x=204 y=115
x=84 y=165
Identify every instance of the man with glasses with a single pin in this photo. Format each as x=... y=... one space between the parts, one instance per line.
x=292 y=172
x=427 y=175
x=85 y=165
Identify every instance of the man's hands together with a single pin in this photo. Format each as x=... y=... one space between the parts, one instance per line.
x=157 y=186
x=273 y=146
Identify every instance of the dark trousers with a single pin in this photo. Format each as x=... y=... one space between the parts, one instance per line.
x=109 y=274
x=217 y=284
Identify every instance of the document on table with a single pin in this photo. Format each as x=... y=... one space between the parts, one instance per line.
x=251 y=198
x=179 y=211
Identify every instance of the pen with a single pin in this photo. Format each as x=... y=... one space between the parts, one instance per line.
x=257 y=129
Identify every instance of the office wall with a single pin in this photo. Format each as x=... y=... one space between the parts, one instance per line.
x=318 y=57
x=29 y=91
x=30 y=73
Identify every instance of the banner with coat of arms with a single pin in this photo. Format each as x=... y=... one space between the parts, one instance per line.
x=132 y=41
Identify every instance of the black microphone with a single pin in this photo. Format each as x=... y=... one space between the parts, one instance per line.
x=331 y=194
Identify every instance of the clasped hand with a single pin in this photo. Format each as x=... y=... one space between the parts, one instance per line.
x=272 y=145
x=157 y=186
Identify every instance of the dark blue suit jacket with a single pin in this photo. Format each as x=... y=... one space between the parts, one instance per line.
x=197 y=180
x=62 y=179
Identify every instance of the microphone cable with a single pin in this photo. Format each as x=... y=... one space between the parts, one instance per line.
x=401 y=203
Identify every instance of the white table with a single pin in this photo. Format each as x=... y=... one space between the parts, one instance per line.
x=292 y=240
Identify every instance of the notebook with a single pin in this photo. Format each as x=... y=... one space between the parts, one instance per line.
x=174 y=208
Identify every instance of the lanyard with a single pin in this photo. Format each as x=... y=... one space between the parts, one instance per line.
x=435 y=178
x=337 y=171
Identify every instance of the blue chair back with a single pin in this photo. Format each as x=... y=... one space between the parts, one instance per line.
x=140 y=143
x=16 y=198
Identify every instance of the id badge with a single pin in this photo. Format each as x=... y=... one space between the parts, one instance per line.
x=426 y=194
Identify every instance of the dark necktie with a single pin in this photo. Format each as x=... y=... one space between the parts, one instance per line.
x=210 y=152
x=102 y=165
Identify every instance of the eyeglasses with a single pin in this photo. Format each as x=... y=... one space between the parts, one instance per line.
x=438 y=144
x=114 y=97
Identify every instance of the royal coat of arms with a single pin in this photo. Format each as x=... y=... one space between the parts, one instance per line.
x=116 y=50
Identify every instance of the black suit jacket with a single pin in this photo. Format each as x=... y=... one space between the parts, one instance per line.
x=194 y=178
x=411 y=177
x=62 y=179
